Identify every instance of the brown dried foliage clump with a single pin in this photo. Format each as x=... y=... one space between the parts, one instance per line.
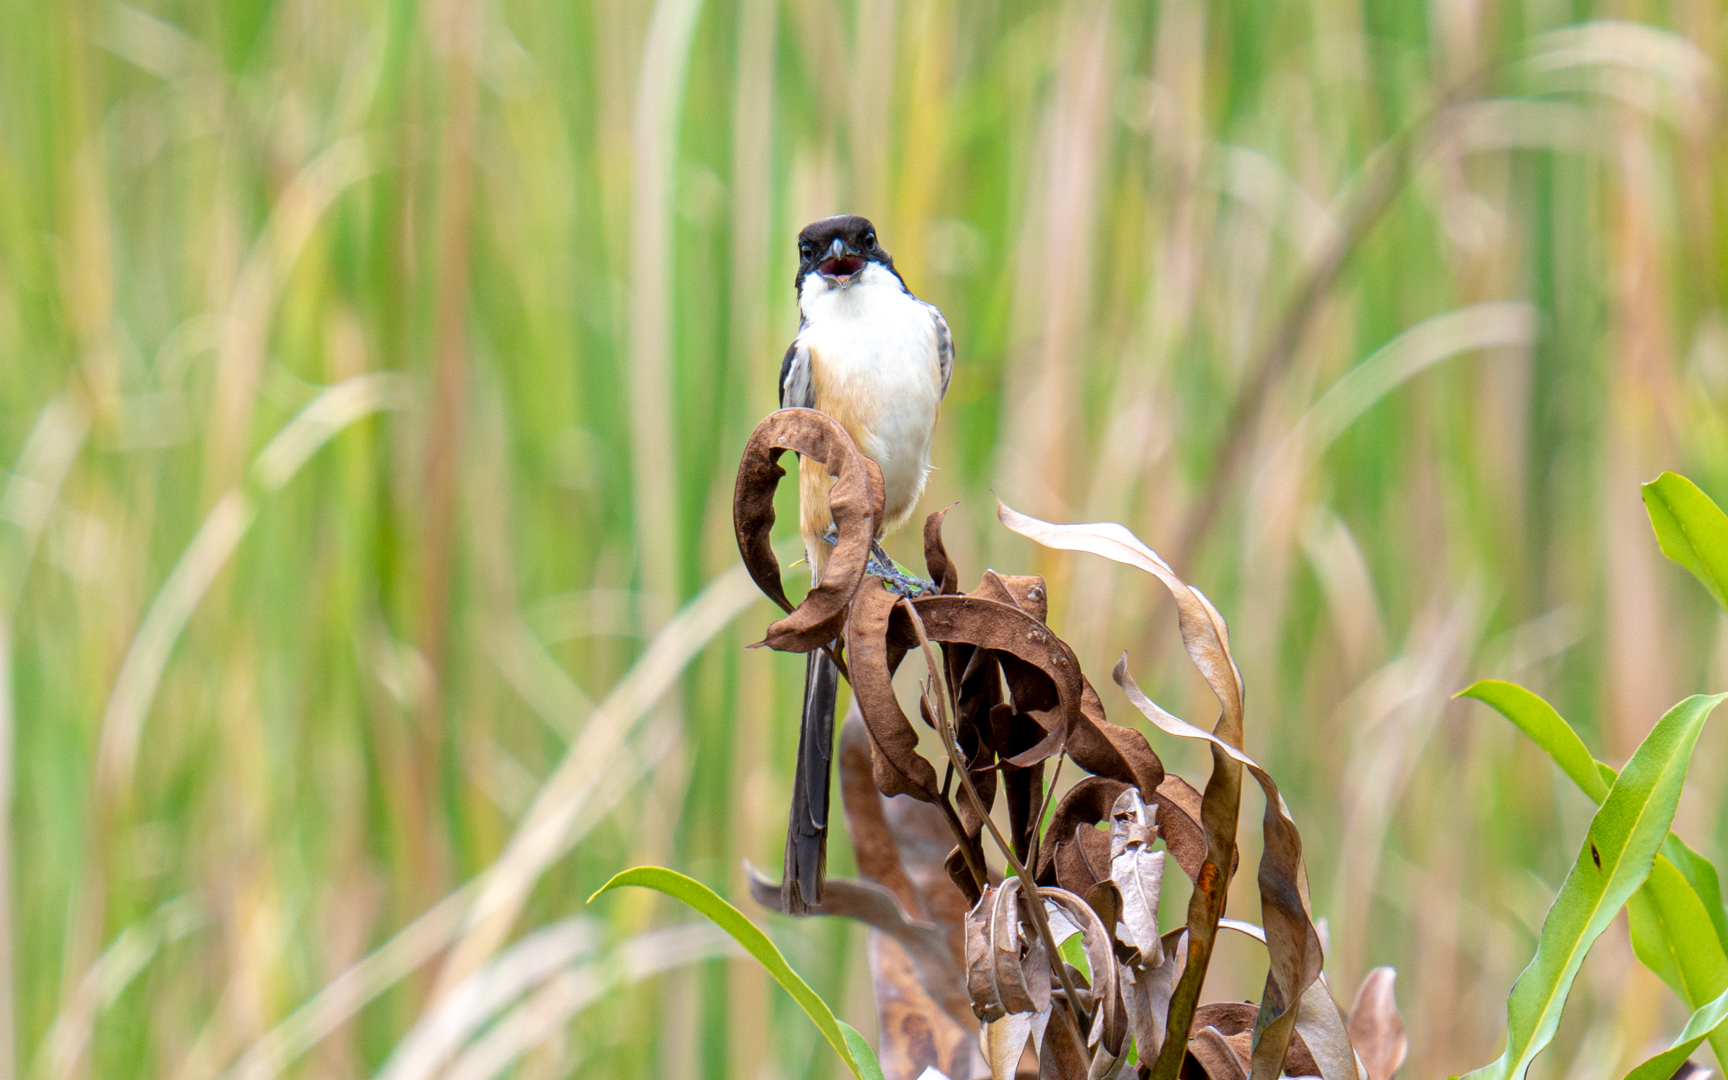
x=970 y=970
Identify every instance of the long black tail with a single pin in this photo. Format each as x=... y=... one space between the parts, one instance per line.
x=807 y=828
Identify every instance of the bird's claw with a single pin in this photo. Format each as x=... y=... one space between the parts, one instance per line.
x=893 y=579
x=880 y=565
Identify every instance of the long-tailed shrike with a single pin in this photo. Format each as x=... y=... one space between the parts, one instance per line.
x=878 y=360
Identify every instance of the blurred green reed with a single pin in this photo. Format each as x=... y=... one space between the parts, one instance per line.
x=270 y=703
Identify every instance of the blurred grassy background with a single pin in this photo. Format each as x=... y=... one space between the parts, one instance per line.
x=1370 y=316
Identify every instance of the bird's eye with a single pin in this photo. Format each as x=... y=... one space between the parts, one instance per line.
x=804 y=250
x=869 y=240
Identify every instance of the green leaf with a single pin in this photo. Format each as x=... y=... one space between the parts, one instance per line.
x=1688 y=906
x=1682 y=938
x=863 y=1064
x=1700 y=873
x=1703 y=1022
x=1537 y=719
x=1692 y=530
x=850 y=1045
x=1073 y=950
x=1673 y=936
x=1616 y=857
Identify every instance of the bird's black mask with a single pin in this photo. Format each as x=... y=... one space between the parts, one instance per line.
x=838 y=248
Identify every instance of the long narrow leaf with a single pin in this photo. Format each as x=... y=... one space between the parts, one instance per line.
x=1676 y=916
x=1700 y=873
x=850 y=1045
x=1673 y=936
x=1692 y=530
x=1702 y=1023
x=1616 y=858
x=1550 y=731
x=1547 y=729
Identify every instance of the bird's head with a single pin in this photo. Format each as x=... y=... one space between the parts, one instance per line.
x=839 y=250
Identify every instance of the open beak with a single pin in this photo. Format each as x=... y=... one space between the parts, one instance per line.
x=841 y=263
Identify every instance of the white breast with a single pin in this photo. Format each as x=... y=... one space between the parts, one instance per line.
x=874 y=369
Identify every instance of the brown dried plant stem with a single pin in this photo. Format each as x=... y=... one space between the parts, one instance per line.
x=1077 y=1018
x=980 y=875
x=1036 y=842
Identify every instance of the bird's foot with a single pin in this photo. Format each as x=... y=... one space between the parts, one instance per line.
x=880 y=565
x=893 y=578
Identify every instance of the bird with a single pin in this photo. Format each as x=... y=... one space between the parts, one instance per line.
x=876 y=359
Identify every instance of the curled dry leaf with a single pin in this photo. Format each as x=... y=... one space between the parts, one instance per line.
x=1007 y=967
x=1047 y=683
x=1060 y=1057
x=1179 y=813
x=1018 y=960
x=1091 y=800
x=1203 y=631
x=1146 y=992
x=1138 y=872
x=936 y=561
x=1004 y=1041
x=1291 y=940
x=895 y=763
x=981 y=963
x=855 y=502
x=1376 y=1028
x=1008 y=976
x=1233 y=1021
x=876 y=637
x=1321 y=1046
x=1218 y=1056
x=1078 y=861
x=1086 y=803
x=1106 y=749
x=1322 y=1036
x=1109 y=1023
x=1106 y=900
x=1105 y=1065
x=1024 y=591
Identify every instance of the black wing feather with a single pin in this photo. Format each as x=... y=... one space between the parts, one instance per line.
x=786 y=369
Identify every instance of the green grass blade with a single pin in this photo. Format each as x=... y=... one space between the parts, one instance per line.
x=1614 y=861
x=1692 y=530
x=1703 y=1023
x=1537 y=719
x=850 y=1045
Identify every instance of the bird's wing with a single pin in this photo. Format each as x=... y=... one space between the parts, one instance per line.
x=944 y=345
x=796 y=391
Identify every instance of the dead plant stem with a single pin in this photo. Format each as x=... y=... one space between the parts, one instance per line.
x=1032 y=852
